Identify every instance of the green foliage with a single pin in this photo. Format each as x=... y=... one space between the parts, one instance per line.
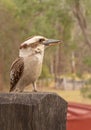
x=45 y=72
x=9 y=4
x=86 y=92
x=87 y=61
x=73 y=46
x=19 y=19
x=79 y=75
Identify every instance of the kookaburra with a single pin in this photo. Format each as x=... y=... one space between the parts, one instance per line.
x=27 y=68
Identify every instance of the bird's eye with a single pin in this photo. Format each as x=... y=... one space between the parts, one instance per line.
x=41 y=40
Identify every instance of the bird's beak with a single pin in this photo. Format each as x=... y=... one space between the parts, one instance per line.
x=51 y=42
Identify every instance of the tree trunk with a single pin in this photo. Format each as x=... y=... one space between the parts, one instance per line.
x=81 y=21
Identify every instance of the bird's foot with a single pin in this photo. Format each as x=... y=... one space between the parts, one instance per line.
x=16 y=90
x=34 y=90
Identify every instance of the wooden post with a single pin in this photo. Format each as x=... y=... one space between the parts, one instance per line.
x=32 y=111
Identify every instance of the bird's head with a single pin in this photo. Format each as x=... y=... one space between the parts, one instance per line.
x=35 y=45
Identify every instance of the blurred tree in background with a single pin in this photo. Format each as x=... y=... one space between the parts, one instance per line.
x=69 y=20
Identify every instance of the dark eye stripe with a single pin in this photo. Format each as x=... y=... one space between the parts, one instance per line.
x=33 y=45
x=23 y=46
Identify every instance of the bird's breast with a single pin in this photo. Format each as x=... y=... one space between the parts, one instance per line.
x=32 y=67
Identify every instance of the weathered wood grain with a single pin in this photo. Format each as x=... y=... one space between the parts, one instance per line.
x=32 y=111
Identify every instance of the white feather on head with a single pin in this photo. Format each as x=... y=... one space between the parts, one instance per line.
x=25 y=51
x=33 y=40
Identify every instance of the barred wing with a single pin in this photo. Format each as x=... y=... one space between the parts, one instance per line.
x=16 y=72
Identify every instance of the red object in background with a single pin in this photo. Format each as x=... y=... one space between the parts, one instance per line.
x=78 y=116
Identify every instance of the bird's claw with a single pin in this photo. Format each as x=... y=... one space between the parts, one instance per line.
x=34 y=90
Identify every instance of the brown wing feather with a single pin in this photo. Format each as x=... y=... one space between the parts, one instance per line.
x=15 y=72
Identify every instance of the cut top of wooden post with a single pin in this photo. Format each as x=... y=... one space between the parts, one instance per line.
x=32 y=111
